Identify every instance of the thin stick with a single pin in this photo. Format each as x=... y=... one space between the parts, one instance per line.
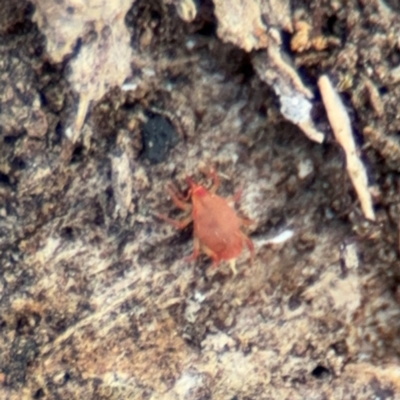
x=341 y=126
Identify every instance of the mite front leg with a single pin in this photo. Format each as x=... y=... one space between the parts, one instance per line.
x=212 y=255
x=179 y=224
x=238 y=195
x=178 y=199
x=212 y=174
x=246 y=221
x=196 y=251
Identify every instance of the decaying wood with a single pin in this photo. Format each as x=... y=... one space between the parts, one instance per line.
x=103 y=61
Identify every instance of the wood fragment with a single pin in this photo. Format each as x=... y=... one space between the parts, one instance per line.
x=341 y=126
x=100 y=64
x=275 y=56
x=307 y=126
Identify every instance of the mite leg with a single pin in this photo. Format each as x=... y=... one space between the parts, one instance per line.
x=196 y=251
x=212 y=255
x=178 y=193
x=234 y=200
x=238 y=195
x=178 y=199
x=179 y=224
x=211 y=173
x=246 y=221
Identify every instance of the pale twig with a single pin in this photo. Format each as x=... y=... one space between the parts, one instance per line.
x=341 y=126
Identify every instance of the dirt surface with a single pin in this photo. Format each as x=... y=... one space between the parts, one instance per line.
x=96 y=298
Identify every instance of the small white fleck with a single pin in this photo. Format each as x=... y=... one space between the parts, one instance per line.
x=200 y=297
x=129 y=86
x=282 y=237
x=190 y=44
x=305 y=168
x=148 y=72
x=169 y=87
x=329 y=213
x=69 y=133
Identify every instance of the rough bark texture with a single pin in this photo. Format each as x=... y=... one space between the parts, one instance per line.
x=96 y=301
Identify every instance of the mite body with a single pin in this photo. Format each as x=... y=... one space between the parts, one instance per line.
x=217 y=227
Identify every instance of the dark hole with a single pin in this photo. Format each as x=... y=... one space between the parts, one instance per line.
x=109 y=193
x=208 y=29
x=99 y=217
x=331 y=24
x=39 y=394
x=241 y=64
x=38 y=49
x=311 y=280
x=20 y=28
x=58 y=134
x=10 y=139
x=43 y=98
x=21 y=324
x=308 y=79
x=48 y=68
x=70 y=10
x=262 y=110
x=383 y=90
x=246 y=69
x=67 y=377
x=67 y=233
x=320 y=372
x=286 y=39
x=77 y=154
x=155 y=15
x=29 y=10
x=18 y=163
x=4 y=179
x=294 y=303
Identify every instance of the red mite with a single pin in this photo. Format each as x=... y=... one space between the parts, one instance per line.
x=217 y=230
